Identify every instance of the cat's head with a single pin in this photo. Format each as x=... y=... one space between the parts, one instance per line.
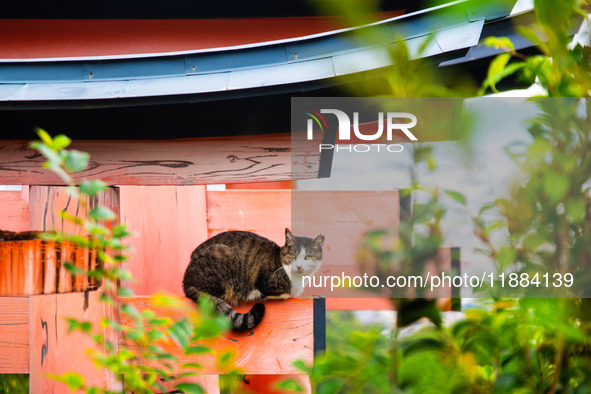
x=303 y=254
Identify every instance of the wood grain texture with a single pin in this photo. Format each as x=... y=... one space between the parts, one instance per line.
x=169 y=222
x=30 y=267
x=286 y=334
x=267 y=383
x=14 y=335
x=54 y=350
x=266 y=213
x=14 y=211
x=46 y=203
x=343 y=217
x=259 y=158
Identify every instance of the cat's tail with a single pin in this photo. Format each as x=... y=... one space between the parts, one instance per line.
x=240 y=321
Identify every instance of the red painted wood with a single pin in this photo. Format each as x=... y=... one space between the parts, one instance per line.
x=48 y=328
x=46 y=203
x=266 y=213
x=14 y=211
x=54 y=350
x=24 y=38
x=241 y=159
x=358 y=304
x=343 y=218
x=169 y=223
x=14 y=334
x=209 y=383
x=267 y=383
x=287 y=324
x=30 y=267
x=284 y=185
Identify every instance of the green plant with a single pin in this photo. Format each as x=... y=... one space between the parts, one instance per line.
x=142 y=363
x=14 y=383
x=525 y=345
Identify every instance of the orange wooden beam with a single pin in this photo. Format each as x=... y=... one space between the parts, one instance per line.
x=286 y=334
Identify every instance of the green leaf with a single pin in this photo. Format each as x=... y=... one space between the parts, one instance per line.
x=301 y=366
x=45 y=137
x=120 y=231
x=533 y=241
x=76 y=161
x=506 y=257
x=74 y=381
x=459 y=197
x=503 y=43
x=556 y=186
x=576 y=210
x=124 y=292
x=225 y=357
x=159 y=321
x=199 y=349
x=498 y=65
x=130 y=310
x=92 y=188
x=61 y=142
x=70 y=218
x=101 y=213
x=290 y=385
x=180 y=333
x=422 y=345
x=192 y=365
x=191 y=388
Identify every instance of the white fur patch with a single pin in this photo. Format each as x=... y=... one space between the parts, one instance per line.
x=308 y=268
x=254 y=295
x=287 y=269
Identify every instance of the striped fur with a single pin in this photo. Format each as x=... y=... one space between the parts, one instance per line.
x=239 y=266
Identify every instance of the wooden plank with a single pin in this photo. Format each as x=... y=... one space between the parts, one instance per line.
x=209 y=383
x=14 y=211
x=266 y=383
x=46 y=203
x=343 y=217
x=169 y=223
x=286 y=334
x=241 y=159
x=14 y=335
x=358 y=304
x=54 y=350
x=266 y=213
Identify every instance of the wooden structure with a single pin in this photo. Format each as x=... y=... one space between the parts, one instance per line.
x=170 y=221
x=216 y=94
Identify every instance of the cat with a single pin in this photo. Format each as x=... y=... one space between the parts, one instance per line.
x=238 y=266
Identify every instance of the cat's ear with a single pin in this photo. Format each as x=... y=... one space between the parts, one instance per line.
x=319 y=240
x=288 y=236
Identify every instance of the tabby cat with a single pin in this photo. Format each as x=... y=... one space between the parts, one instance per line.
x=238 y=266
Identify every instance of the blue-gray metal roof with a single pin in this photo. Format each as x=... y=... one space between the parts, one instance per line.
x=427 y=33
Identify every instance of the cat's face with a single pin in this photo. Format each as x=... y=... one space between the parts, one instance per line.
x=305 y=257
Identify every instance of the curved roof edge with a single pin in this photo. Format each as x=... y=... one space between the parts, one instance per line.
x=433 y=32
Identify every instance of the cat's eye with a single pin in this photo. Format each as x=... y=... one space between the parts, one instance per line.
x=293 y=256
x=308 y=257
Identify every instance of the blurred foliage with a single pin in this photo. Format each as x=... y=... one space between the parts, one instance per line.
x=563 y=69
x=511 y=345
x=14 y=383
x=144 y=363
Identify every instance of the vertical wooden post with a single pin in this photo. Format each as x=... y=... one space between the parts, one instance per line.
x=52 y=349
x=169 y=222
